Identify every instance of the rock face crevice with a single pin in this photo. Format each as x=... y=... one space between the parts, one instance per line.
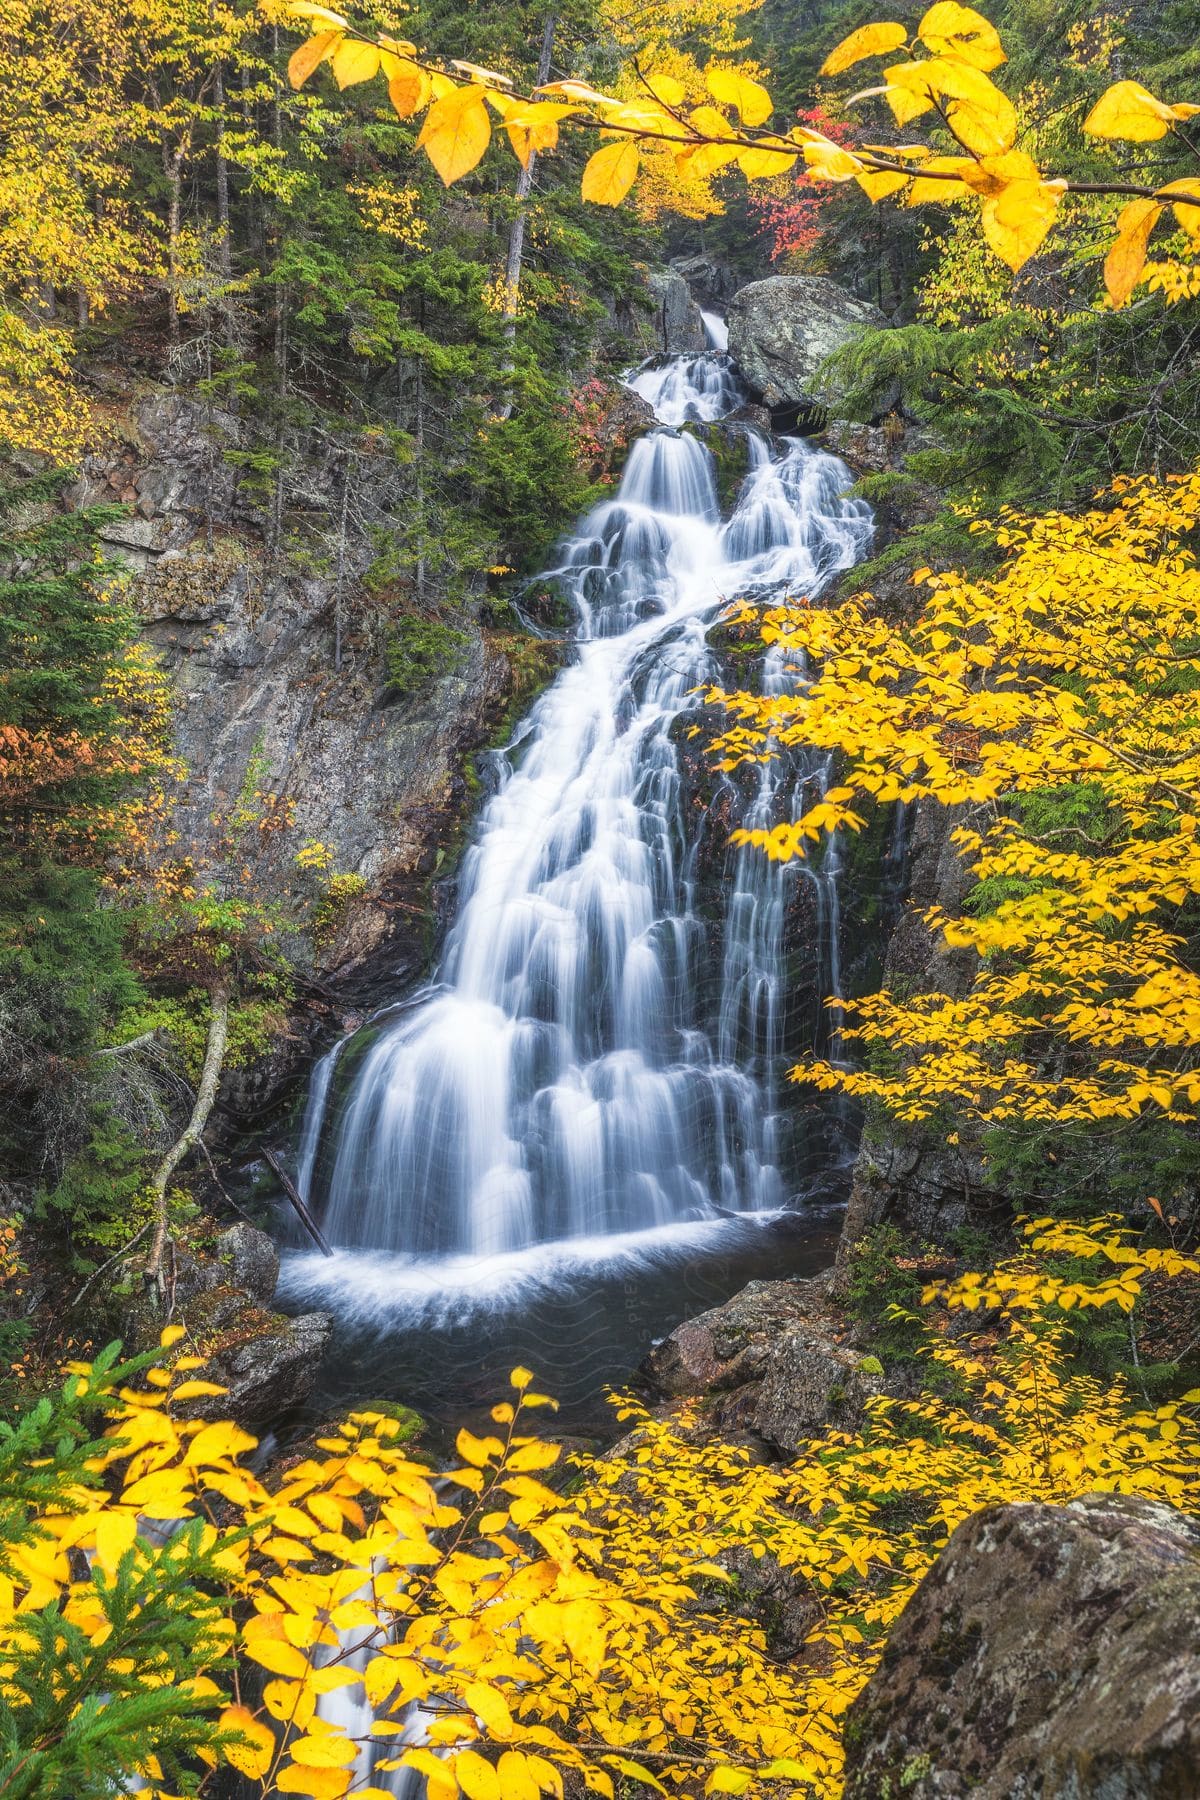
x=284 y=747
x=1051 y=1653
x=908 y=1175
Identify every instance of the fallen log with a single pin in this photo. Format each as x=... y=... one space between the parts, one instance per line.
x=293 y=1193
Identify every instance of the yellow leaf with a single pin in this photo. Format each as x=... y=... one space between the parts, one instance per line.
x=868 y=40
x=713 y=1571
x=952 y=30
x=311 y=55
x=290 y=1702
x=578 y=90
x=707 y=158
x=115 y=1534
x=171 y=1334
x=829 y=162
x=757 y=165
x=1186 y=215
x=608 y=177
x=1015 y=221
x=528 y=1457
x=441 y=1784
x=516 y=1780
x=397 y=1676
x=877 y=184
x=637 y=1772
x=277 y=1655
x=477 y=1451
x=318 y=1784
x=354 y=61
x=1128 y=110
x=456 y=132
x=991 y=174
x=751 y=101
x=254 y=1757
x=218 y=1443
x=1125 y=261
x=197 y=1390
x=409 y=89
x=334 y=1751
x=491 y=1709
x=981 y=117
x=666 y=89
x=308 y=9
x=476 y=1777
x=488 y=77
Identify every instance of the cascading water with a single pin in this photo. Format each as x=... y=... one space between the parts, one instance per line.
x=715 y=331
x=686 y=390
x=597 y=1066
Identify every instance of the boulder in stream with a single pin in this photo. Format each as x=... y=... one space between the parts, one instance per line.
x=1051 y=1653
x=782 y=329
x=774 y=1360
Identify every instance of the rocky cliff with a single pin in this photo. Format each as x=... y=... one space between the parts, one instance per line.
x=306 y=757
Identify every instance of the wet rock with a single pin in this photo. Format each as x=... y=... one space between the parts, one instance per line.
x=250 y=1260
x=908 y=1175
x=1051 y=1653
x=727 y=1346
x=680 y=327
x=773 y=1361
x=782 y=329
x=269 y=1373
x=712 y=284
x=810 y=1381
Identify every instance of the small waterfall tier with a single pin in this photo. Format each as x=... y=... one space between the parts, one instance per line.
x=689 y=390
x=602 y=1050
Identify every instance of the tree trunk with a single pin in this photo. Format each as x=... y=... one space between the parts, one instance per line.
x=223 y=251
x=206 y=1094
x=173 y=169
x=340 y=575
x=419 y=465
x=275 y=520
x=516 y=236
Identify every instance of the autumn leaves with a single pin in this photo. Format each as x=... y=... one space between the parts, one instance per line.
x=1062 y=683
x=943 y=75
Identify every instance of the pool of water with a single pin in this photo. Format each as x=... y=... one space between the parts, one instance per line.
x=441 y=1335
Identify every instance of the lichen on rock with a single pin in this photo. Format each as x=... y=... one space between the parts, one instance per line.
x=1051 y=1651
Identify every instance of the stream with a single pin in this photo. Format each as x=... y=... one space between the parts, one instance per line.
x=579 y=1130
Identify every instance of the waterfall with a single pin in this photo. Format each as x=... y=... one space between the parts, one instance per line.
x=715 y=330
x=601 y=1052
x=686 y=390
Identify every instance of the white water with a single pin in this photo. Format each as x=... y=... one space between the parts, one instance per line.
x=687 y=390
x=598 y=1061
x=715 y=330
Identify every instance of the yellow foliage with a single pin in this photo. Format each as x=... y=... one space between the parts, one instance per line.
x=1072 y=669
x=677 y=146
x=590 y=1638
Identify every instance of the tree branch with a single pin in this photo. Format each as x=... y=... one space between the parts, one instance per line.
x=206 y=1093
